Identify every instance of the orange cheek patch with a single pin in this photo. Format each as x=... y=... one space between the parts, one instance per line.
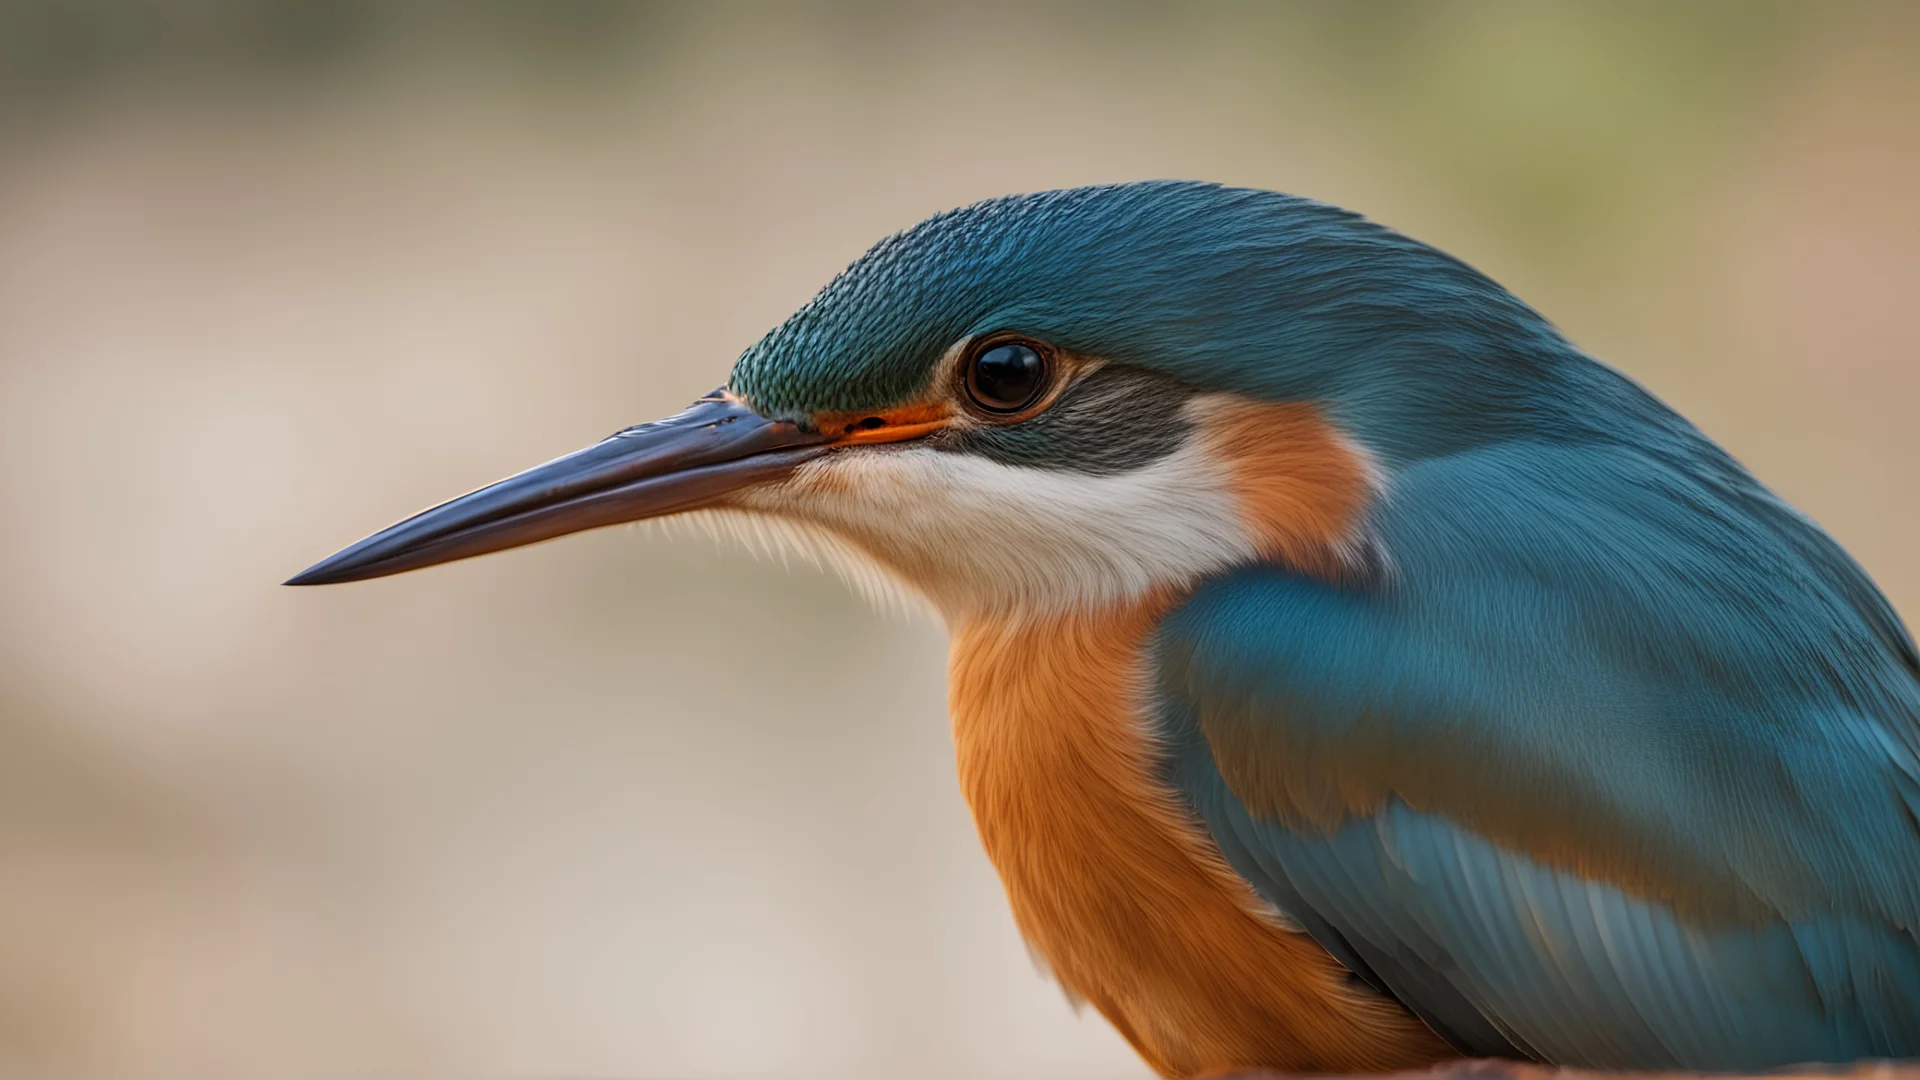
x=1301 y=484
x=891 y=425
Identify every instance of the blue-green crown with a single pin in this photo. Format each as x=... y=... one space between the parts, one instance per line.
x=1257 y=292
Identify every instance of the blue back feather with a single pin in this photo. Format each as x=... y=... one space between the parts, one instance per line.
x=1616 y=763
x=1643 y=755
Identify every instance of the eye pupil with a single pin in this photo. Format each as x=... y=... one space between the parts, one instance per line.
x=1006 y=378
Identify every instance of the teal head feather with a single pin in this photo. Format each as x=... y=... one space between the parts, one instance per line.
x=1253 y=292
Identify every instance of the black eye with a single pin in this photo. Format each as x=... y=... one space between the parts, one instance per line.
x=1006 y=378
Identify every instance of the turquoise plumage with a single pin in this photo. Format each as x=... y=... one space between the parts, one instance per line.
x=1651 y=673
x=1573 y=740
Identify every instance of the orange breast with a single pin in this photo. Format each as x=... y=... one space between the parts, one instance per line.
x=1117 y=887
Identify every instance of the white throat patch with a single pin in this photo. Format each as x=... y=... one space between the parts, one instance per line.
x=981 y=538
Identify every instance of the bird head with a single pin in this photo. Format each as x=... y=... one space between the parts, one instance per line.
x=1046 y=402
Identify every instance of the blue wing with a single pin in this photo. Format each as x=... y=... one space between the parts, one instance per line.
x=1616 y=765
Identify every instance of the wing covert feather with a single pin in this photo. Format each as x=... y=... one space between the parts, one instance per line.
x=1617 y=768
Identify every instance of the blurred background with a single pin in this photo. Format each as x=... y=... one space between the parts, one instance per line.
x=273 y=275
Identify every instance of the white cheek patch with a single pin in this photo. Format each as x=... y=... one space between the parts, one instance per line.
x=978 y=537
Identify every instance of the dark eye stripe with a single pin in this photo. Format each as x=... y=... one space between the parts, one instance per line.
x=1113 y=420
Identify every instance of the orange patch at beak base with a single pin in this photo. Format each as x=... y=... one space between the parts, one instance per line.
x=892 y=425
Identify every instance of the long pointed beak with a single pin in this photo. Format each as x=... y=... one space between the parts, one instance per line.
x=685 y=462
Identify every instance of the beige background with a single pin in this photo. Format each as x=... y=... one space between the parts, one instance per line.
x=272 y=276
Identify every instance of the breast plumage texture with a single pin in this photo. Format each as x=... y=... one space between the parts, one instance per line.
x=1332 y=579
x=1615 y=763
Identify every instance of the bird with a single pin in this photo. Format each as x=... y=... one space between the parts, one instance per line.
x=1348 y=673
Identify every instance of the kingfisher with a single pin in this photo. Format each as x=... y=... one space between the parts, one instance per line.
x=1348 y=674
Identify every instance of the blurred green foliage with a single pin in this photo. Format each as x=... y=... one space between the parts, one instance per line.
x=1528 y=108
x=1518 y=106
